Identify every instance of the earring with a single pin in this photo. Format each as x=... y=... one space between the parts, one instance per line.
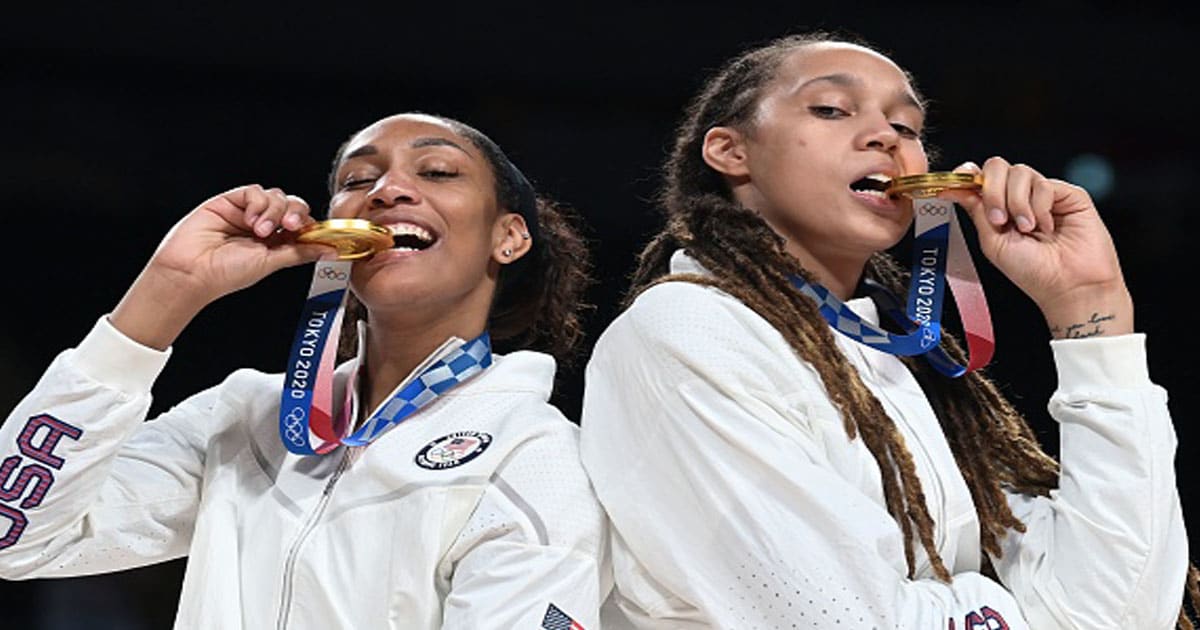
x=525 y=235
x=507 y=252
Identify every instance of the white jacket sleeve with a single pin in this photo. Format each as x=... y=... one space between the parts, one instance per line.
x=86 y=486
x=533 y=546
x=1108 y=548
x=721 y=495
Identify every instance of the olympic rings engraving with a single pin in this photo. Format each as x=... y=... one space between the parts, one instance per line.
x=329 y=273
x=926 y=209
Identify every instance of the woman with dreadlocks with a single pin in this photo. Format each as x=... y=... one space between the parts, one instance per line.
x=763 y=471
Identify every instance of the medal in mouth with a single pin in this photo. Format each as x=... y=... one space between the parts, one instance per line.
x=940 y=260
x=352 y=238
x=930 y=184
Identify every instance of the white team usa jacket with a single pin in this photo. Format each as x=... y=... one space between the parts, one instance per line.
x=474 y=513
x=766 y=515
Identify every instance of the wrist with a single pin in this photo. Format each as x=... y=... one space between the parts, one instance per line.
x=157 y=307
x=1090 y=312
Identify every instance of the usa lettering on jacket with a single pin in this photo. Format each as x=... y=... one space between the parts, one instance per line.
x=34 y=472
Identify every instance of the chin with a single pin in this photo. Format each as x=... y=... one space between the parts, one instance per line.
x=881 y=241
x=391 y=290
x=892 y=228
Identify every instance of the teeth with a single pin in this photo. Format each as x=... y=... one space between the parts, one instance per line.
x=408 y=229
x=874 y=193
x=879 y=177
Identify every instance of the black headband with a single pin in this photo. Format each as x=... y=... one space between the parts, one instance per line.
x=526 y=200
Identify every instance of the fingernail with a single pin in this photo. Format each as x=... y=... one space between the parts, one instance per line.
x=997 y=216
x=1024 y=224
x=264 y=228
x=970 y=166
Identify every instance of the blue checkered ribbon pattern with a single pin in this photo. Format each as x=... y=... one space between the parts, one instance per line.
x=308 y=380
x=921 y=321
x=556 y=619
x=461 y=364
x=847 y=322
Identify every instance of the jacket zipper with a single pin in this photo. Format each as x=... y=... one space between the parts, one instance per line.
x=289 y=567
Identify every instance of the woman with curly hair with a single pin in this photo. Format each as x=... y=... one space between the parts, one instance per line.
x=462 y=505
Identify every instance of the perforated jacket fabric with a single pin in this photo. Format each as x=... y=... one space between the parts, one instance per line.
x=366 y=537
x=737 y=500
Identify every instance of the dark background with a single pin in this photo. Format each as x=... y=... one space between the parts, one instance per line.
x=117 y=122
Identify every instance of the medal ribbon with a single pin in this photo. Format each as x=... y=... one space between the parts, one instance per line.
x=940 y=256
x=307 y=424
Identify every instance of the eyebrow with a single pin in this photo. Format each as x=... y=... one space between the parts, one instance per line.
x=427 y=141
x=851 y=81
x=366 y=149
x=435 y=141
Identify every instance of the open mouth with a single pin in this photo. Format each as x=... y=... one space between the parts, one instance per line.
x=407 y=237
x=875 y=184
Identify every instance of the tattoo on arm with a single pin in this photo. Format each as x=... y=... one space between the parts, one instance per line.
x=1092 y=327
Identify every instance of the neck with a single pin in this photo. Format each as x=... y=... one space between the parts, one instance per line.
x=838 y=270
x=839 y=274
x=398 y=342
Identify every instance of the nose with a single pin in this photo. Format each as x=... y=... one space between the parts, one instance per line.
x=393 y=190
x=878 y=134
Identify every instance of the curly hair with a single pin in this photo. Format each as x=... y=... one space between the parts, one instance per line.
x=747 y=260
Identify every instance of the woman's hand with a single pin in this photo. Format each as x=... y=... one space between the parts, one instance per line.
x=235 y=239
x=1046 y=236
x=227 y=243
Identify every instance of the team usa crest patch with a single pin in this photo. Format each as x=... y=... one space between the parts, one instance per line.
x=453 y=450
x=556 y=619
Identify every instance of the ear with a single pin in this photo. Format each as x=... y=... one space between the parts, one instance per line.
x=511 y=239
x=724 y=149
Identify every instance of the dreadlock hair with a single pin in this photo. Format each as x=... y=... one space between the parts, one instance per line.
x=747 y=261
x=539 y=302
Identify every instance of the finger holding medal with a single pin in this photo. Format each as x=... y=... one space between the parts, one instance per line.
x=227 y=243
x=767 y=368
x=1047 y=237
x=411 y=417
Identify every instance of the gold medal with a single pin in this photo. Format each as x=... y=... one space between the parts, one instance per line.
x=353 y=238
x=930 y=184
